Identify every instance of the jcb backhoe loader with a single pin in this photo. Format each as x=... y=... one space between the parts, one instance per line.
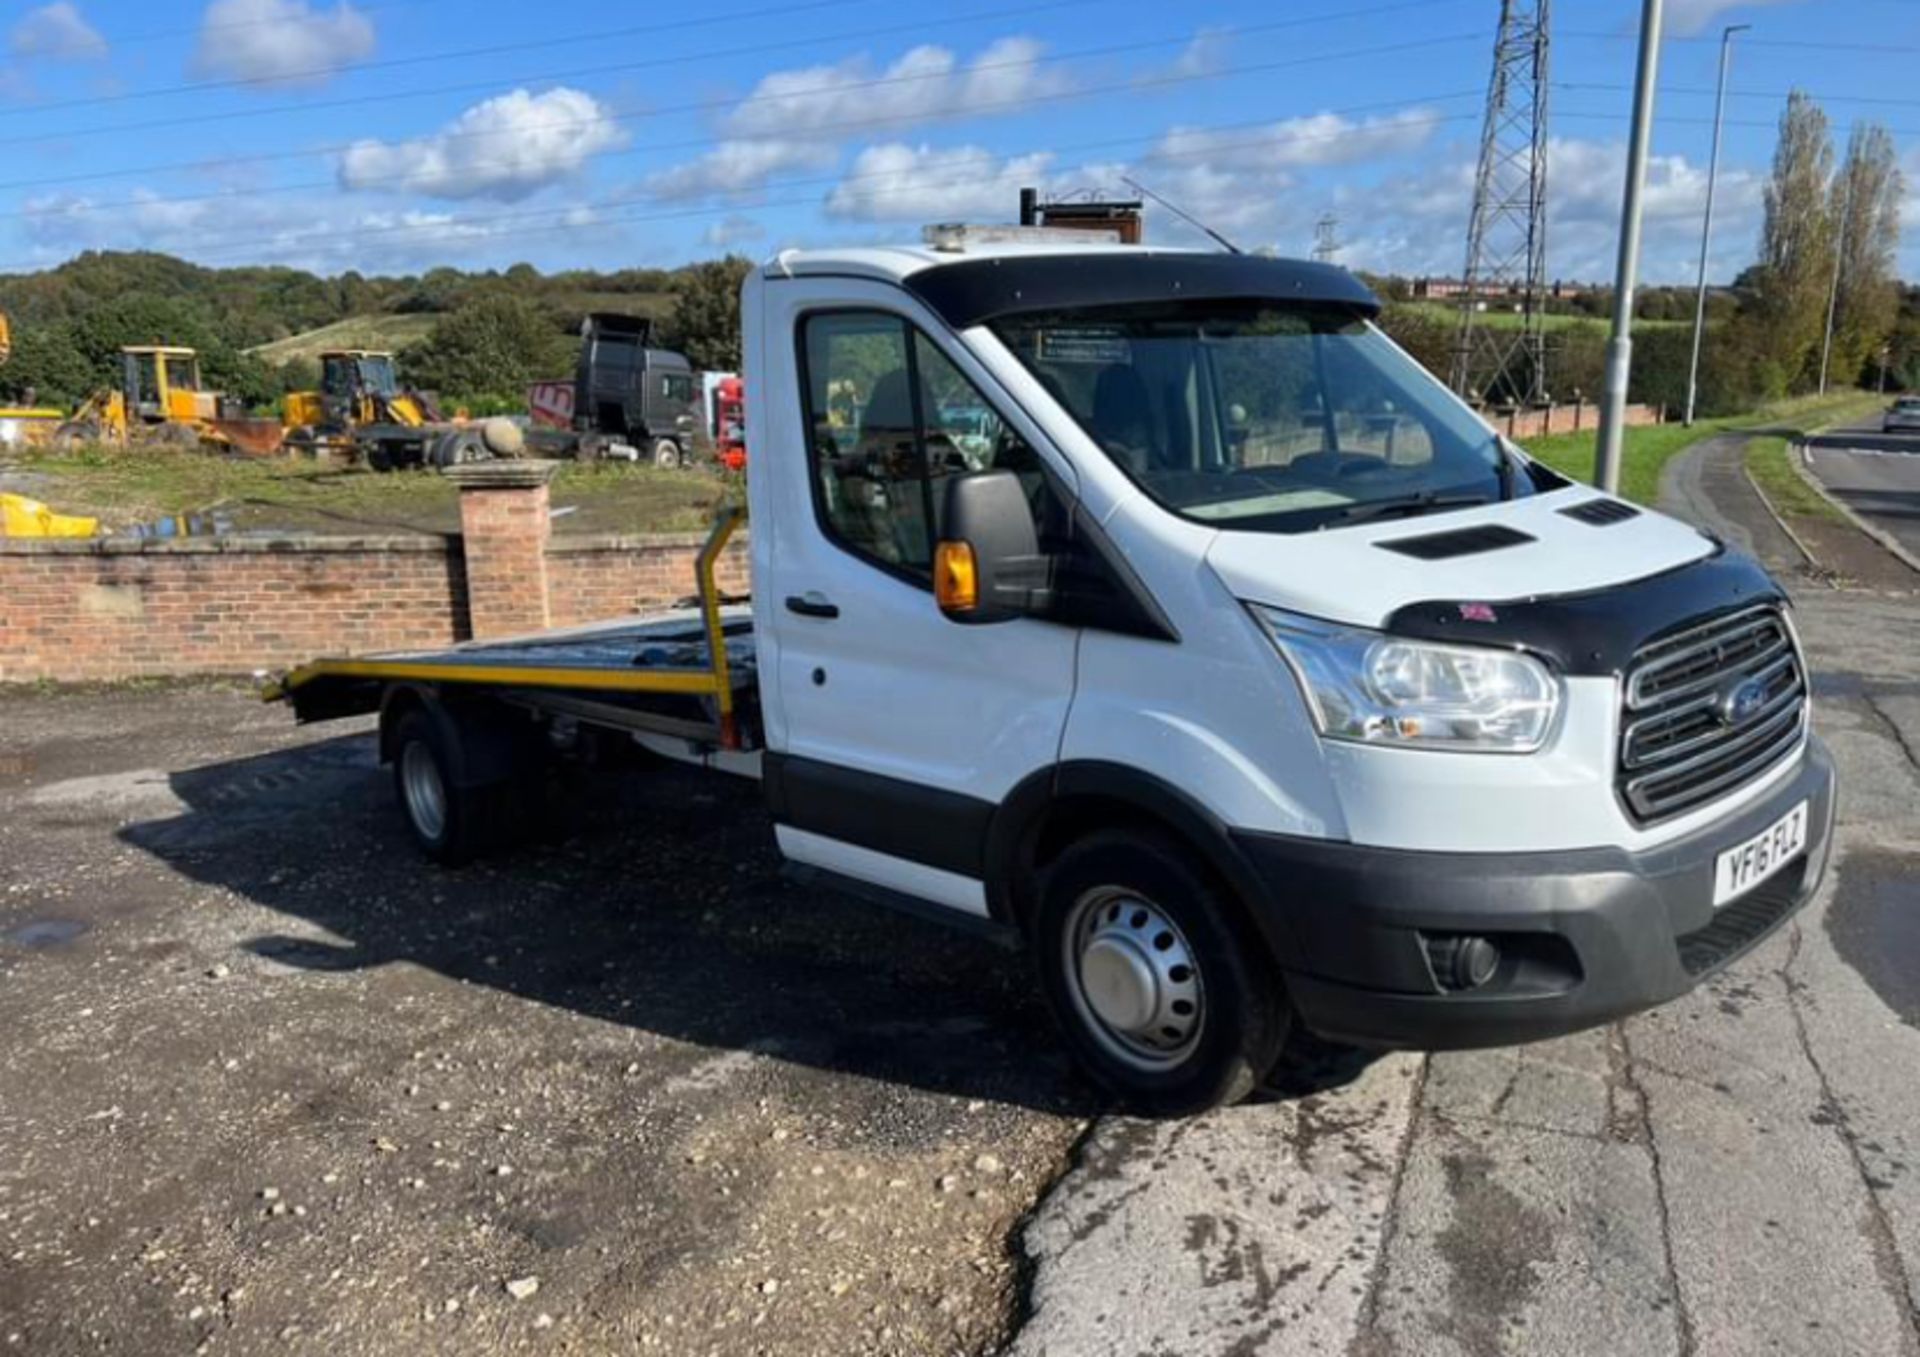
x=362 y=414
x=160 y=399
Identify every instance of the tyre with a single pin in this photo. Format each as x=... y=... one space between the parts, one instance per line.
x=666 y=453
x=1163 y=991
x=451 y=823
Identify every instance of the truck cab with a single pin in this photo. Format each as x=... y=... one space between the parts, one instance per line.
x=627 y=389
x=1153 y=608
x=1158 y=605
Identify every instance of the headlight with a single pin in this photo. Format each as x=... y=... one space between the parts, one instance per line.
x=1378 y=689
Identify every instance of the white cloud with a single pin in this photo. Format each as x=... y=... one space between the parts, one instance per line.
x=791 y=119
x=56 y=32
x=305 y=232
x=507 y=148
x=1203 y=55
x=1319 y=139
x=1688 y=17
x=284 y=43
x=926 y=84
x=736 y=167
x=896 y=182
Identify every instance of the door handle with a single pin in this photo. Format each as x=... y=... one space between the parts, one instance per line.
x=812 y=604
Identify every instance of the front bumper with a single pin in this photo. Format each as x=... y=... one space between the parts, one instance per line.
x=1585 y=936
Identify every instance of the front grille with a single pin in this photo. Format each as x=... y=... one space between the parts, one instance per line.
x=1682 y=741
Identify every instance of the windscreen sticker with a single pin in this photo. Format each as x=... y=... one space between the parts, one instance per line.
x=1094 y=347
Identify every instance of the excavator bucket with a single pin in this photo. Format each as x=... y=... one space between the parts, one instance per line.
x=255 y=437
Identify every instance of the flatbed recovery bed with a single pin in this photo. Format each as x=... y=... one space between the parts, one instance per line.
x=687 y=672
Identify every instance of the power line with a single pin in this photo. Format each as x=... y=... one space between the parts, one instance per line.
x=231 y=25
x=1792 y=44
x=232 y=247
x=496 y=82
x=915 y=26
x=430 y=58
x=707 y=143
x=1709 y=91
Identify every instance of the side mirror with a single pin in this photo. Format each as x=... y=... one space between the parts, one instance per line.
x=988 y=566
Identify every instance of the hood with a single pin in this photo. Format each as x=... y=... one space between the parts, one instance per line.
x=1362 y=574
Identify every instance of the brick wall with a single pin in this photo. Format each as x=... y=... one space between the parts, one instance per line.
x=590 y=578
x=1579 y=417
x=107 y=609
x=111 y=610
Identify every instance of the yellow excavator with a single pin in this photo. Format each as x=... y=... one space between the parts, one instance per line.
x=160 y=399
x=362 y=414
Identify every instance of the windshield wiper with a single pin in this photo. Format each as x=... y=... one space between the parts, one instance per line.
x=1403 y=506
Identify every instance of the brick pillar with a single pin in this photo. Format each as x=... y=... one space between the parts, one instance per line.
x=504 y=524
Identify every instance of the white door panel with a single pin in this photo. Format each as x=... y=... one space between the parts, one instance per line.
x=888 y=685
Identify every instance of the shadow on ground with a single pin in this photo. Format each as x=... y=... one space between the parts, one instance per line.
x=656 y=903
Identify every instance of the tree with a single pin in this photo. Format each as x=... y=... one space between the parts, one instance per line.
x=494 y=346
x=705 y=322
x=1865 y=204
x=1796 y=241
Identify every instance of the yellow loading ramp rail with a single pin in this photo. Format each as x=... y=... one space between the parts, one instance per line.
x=714 y=681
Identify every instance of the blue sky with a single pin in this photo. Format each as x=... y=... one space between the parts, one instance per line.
x=394 y=135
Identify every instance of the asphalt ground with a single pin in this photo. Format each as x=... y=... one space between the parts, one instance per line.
x=1875 y=474
x=271 y=1083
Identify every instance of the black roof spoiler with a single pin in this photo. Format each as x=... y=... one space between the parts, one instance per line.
x=970 y=292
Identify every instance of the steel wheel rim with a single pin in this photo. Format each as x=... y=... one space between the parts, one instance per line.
x=426 y=794
x=1133 y=979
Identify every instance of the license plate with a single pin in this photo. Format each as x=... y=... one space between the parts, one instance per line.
x=1746 y=865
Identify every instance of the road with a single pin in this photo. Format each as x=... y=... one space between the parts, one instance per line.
x=1874 y=474
x=270 y=1082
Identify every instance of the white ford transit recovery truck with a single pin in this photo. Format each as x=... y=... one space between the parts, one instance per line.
x=1155 y=607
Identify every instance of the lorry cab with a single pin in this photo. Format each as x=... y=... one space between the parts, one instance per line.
x=627 y=389
x=1157 y=604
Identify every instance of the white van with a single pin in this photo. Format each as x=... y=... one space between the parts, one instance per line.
x=1216 y=649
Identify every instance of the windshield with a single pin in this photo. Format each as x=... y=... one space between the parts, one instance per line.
x=1250 y=416
x=376 y=376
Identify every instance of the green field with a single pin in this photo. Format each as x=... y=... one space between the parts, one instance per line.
x=1647 y=450
x=389 y=333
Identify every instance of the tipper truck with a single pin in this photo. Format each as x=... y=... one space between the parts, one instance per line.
x=1153 y=608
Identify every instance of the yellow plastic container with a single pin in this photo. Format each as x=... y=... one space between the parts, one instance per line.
x=23 y=517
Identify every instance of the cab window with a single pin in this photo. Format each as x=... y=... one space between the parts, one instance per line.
x=890 y=420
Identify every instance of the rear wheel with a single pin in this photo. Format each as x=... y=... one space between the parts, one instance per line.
x=452 y=823
x=1163 y=992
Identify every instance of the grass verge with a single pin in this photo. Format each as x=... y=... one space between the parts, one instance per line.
x=124 y=487
x=1646 y=450
x=1769 y=462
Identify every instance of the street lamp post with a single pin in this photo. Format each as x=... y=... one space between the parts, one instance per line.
x=1839 y=264
x=1706 y=224
x=1613 y=395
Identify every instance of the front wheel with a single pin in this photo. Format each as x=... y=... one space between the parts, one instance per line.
x=1164 y=993
x=666 y=453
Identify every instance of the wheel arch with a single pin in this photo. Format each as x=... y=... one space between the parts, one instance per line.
x=482 y=747
x=1059 y=805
